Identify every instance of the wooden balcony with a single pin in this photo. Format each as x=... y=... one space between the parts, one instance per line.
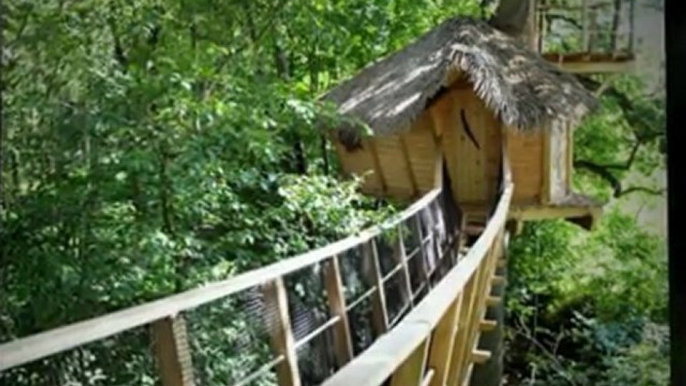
x=592 y=63
x=598 y=35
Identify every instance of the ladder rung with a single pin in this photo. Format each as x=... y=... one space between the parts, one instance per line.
x=498 y=280
x=493 y=301
x=480 y=356
x=474 y=230
x=487 y=325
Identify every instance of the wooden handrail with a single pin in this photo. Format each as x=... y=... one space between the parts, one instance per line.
x=392 y=350
x=402 y=351
x=38 y=346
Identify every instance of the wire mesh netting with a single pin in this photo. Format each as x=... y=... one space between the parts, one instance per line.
x=230 y=339
x=358 y=288
x=300 y=321
x=311 y=322
x=125 y=359
x=592 y=27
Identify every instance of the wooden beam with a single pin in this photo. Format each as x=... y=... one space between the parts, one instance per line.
x=554 y=7
x=417 y=237
x=379 y=315
x=408 y=165
x=173 y=354
x=591 y=67
x=570 y=158
x=401 y=258
x=584 y=26
x=545 y=167
x=537 y=212
x=428 y=378
x=279 y=326
x=371 y=145
x=438 y=168
x=343 y=345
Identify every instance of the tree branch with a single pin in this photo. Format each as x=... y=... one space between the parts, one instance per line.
x=604 y=172
x=552 y=357
x=643 y=189
x=626 y=104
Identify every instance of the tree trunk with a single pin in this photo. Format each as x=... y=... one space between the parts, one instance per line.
x=2 y=168
x=282 y=65
x=617 y=8
x=512 y=17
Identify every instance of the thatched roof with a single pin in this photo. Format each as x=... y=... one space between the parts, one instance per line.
x=521 y=87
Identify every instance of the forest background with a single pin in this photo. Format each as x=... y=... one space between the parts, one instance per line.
x=151 y=146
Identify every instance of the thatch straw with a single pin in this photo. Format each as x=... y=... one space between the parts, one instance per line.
x=524 y=90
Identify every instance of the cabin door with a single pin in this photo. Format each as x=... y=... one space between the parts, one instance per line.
x=476 y=143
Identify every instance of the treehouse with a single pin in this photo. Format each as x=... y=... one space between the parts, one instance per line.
x=466 y=95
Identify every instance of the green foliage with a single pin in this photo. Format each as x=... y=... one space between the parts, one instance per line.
x=591 y=307
x=584 y=306
x=153 y=146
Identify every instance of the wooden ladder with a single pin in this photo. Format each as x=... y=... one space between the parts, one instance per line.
x=472 y=226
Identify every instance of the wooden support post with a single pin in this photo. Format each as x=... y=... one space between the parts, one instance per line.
x=442 y=346
x=408 y=166
x=417 y=236
x=173 y=354
x=411 y=372
x=531 y=32
x=343 y=345
x=379 y=314
x=570 y=158
x=279 y=326
x=401 y=258
x=438 y=167
x=585 y=40
x=371 y=145
x=546 y=168
x=540 y=35
x=430 y=373
x=592 y=29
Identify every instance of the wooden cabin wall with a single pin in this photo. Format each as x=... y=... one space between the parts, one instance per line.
x=526 y=153
x=402 y=166
x=422 y=147
x=473 y=164
x=361 y=163
x=558 y=162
